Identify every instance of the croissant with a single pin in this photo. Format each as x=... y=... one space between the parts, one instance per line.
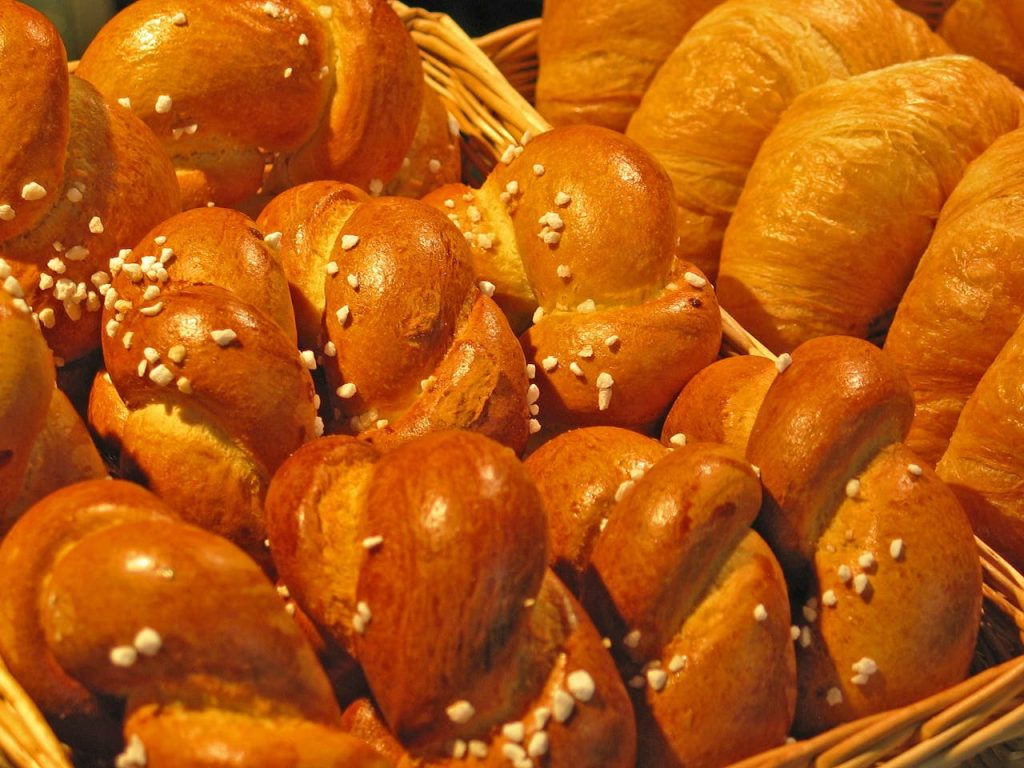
x=325 y=89
x=410 y=344
x=879 y=556
x=991 y=30
x=576 y=229
x=967 y=296
x=205 y=392
x=693 y=600
x=505 y=665
x=597 y=57
x=722 y=90
x=81 y=178
x=983 y=463
x=200 y=685
x=43 y=443
x=844 y=194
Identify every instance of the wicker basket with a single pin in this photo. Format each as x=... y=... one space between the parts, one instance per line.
x=977 y=721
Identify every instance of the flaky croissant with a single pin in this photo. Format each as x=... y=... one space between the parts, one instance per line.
x=576 y=229
x=106 y=596
x=314 y=88
x=844 y=194
x=723 y=89
x=991 y=30
x=428 y=564
x=878 y=553
x=205 y=391
x=967 y=296
x=984 y=463
x=80 y=179
x=43 y=443
x=692 y=599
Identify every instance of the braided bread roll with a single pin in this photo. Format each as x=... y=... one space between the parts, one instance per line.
x=201 y=685
x=721 y=92
x=983 y=463
x=878 y=554
x=209 y=392
x=489 y=652
x=228 y=86
x=43 y=443
x=577 y=229
x=597 y=57
x=660 y=544
x=967 y=296
x=991 y=30
x=844 y=194
x=81 y=178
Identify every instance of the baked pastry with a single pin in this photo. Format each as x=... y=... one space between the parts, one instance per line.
x=200 y=685
x=879 y=556
x=967 y=296
x=504 y=664
x=407 y=339
x=435 y=156
x=991 y=30
x=81 y=178
x=229 y=87
x=597 y=57
x=693 y=600
x=207 y=391
x=844 y=194
x=984 y=463
x=574 y=231
x=43 y=443
x=722 y=90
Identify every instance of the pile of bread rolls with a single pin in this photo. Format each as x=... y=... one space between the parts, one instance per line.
x=354 y=463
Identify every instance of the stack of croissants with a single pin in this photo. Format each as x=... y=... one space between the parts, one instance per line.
x=312 y=454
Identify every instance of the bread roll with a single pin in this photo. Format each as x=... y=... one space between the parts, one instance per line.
x=844 y=194
x=723 y=89
x=967 y=296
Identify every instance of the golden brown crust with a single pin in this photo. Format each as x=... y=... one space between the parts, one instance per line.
x=723 y=89
x=873 y=541
x=991 y=30
x=720 y=403
x=673 y=575
x=578 y=224
x=308 y=89
x=434 y=158
x=416 y=345
x=966 y=297
x=983 y=461
x=597 y=57
x=457 y=513
x=831 y=250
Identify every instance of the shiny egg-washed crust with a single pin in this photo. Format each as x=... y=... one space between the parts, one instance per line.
x=720 y=93
x=844 y=194
x=874 y=542
x=991 y=30
x=498 y=637
x=984 y=464
x=309 y=216
x=597 y=57
x=576 y=229
x=720 y=403
x=80 y=179
x=674 y=575
x=967 y=296
x=219 y=688
x=412 y=332
x=435 y=157
x=43 y=443
x=204 y=423
x=323 y=89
